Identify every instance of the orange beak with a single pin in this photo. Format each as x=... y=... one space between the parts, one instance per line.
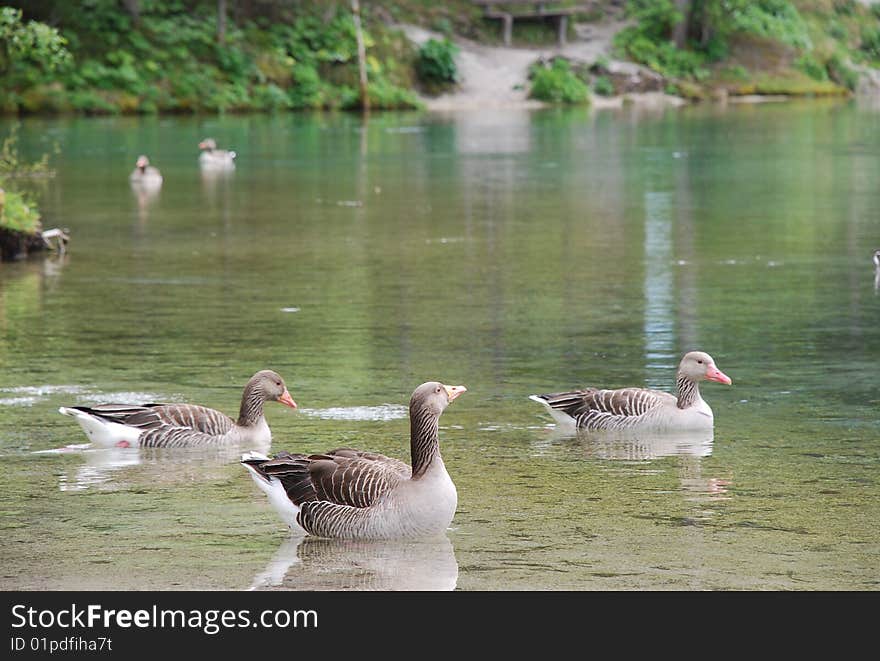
x=715 y=374
x=287 y=400
x=454 y=391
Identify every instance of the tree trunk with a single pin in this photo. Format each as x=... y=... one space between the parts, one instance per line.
x=362 y=54
x=221 y=21
x=680 y=30
x=133 y=7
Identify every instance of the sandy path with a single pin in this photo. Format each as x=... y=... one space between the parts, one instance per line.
x=496 y=77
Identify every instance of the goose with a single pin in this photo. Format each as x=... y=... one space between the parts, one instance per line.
x=351 y=494
x=211 y=157
x=876 y=258
x=640 y=408
x=184 y=425
x=144 y=173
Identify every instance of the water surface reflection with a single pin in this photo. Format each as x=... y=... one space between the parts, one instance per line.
x=315 y=563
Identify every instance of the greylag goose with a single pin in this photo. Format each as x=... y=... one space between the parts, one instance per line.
x=211 y=157
x=641 y=408
x=144 y=173
x=184 y=425
x=352 y=494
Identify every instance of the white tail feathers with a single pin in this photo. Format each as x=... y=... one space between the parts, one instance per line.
x=560 y=417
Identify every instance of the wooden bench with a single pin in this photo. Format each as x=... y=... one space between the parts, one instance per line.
x=508 y=10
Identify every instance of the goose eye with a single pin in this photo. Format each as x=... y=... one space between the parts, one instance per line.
x=699 y=362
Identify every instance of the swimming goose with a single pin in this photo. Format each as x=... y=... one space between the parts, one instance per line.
x=184 y=425
x=641 y=408
x=144 y=173
x=211 y=157
x=352 y=494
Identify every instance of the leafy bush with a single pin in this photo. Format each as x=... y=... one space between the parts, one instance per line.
x=603 y=86
x=870 y=43
x=436 y=62
x=812 y=67
x=18 y=213
x=557 y=83
x=841 y=73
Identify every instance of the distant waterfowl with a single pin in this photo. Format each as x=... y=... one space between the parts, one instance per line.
x=352 y=494
x=641 y=408
x=211 y=157
x=144 y=173
x=184 y=425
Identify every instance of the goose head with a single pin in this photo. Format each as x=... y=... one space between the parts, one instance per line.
x=876 y=258
x=698 y=365
x=270 y=386
x=208 y=143
x=433 y=397
x=142 y=162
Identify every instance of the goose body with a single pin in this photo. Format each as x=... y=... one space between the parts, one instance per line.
x=640 y=408
x=145 y=174
x=183 y=425
x=352 y=494
x=213 y=158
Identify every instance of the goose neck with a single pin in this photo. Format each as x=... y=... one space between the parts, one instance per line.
x=424 y=440
x=251 y=411
x=688 y=392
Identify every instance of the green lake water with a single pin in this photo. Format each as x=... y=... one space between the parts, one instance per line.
x=513 y=252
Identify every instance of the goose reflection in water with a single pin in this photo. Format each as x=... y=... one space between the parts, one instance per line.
x=109 y=468
x=318 y=563
x=691 y=447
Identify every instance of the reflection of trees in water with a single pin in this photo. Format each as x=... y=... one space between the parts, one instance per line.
x=22 y=288
x=315 y=563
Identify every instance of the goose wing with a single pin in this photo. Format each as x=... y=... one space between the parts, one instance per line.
x=340 y=477
x=591 y=404
x=166 y=424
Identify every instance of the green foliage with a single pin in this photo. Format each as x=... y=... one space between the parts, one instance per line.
x=812 y=67
x=19 y=213
x=841 y=73
x=648 y=41
x=870 y=41
x=711 y=24
x=557 y=83
x=30 y=52
x=773 y=19
x=436 y=62
x=170 y=60
x=603 y=86
x=661 y=56
x=12 y=165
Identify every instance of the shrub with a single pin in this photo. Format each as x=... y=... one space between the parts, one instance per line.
x=840 y=72
x=436 y=62
x=557 y=84
x=18 y=213
x=870 y=43
x=812 y=67
x=603 y=86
